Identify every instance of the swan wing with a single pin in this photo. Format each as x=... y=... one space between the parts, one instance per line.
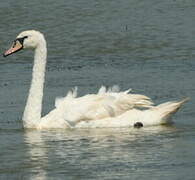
x=104 y=104
x=114 y=104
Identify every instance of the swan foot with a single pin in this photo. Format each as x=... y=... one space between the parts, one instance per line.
x=138 y=125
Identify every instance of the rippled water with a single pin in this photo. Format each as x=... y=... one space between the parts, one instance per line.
x=148 y=46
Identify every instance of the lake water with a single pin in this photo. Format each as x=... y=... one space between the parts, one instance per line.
x=148 y=46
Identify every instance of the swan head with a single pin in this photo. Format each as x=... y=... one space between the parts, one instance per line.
x=30 y=39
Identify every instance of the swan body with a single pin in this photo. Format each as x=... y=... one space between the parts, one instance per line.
x=108 y=108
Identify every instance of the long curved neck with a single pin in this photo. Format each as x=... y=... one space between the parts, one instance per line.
x=32 y=112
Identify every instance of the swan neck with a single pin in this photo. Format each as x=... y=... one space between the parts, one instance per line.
x=33 y=109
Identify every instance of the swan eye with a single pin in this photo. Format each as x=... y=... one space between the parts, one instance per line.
x=21 y=40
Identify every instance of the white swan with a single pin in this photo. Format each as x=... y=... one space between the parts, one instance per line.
x=107 y=108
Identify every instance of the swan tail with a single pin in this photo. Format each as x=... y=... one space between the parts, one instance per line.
x=166 y=110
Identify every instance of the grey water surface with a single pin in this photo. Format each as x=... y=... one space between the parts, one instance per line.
x=148 y=46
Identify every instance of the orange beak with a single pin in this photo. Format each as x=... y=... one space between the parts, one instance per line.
x=16 y=46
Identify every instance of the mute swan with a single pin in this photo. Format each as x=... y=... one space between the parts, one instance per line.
x=107 y=108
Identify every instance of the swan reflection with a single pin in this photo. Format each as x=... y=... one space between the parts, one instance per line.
x=78 y=150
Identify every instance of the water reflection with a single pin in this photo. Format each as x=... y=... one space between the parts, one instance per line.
x=37 y=154
x=85 y=153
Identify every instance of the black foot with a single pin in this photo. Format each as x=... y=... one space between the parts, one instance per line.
x=138 y=125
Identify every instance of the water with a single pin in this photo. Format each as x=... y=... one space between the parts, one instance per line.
x=148 y=46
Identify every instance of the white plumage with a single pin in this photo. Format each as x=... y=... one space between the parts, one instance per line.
x=108 y=108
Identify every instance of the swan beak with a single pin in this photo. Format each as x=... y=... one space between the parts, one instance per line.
x=16 y=46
